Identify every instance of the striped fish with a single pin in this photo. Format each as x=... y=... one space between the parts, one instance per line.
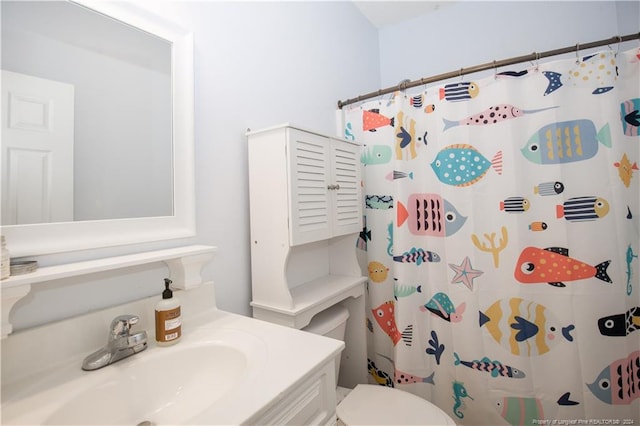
x=405 y=290
x=495 y=368
x=523 y=327
x=514 y=205
x=397 y=174
x=580 y=209
x=462 y=91
x=548 y=188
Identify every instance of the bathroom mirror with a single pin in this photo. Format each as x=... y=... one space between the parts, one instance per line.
x=127 y=154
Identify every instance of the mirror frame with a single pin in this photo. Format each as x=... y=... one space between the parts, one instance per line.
x=46 y=238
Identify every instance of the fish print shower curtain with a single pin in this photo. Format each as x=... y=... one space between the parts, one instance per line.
x=501 y=238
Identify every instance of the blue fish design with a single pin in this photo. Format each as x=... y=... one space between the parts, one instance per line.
x=566 y=142
x=463 y=165
x=599 y=71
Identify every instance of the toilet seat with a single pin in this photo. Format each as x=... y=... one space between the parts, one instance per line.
x=365 y=406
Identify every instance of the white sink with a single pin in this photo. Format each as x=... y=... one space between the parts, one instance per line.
x=227 y=369
x=168 y=385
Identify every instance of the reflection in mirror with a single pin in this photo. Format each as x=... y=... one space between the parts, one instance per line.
x=126 y=75
x=87 y=122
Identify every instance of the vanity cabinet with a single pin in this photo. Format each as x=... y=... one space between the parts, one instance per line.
x=306 y=214
x=312 y=402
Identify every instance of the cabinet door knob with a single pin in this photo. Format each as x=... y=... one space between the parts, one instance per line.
x=336 y=187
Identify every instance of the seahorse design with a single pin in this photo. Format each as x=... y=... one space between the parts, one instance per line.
x=459 y=392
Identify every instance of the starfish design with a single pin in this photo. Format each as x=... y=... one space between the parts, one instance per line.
x=465 y=273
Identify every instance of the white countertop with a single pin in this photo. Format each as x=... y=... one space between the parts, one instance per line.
x=285 y=357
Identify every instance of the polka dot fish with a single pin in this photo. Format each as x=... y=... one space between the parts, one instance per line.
x=373 y=120
x=442 y=306
x=385 y=316
x=553 y=266
x=619 y=383
x=493 y=115
x=523 y=327
x=598 y=72
x=463 y=165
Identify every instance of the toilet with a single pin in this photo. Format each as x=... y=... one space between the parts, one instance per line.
x=356 y=407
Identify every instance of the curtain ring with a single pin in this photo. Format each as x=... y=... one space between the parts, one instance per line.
x=495 y=70
x=537 y=61
x=577 y=53
x=460 y=75
x=619 y=43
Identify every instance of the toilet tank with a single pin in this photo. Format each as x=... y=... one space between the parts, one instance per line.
x=332 y=323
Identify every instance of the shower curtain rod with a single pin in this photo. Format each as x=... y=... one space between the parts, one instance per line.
x=535 y=56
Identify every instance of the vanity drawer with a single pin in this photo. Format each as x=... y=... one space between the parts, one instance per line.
x=310 y=403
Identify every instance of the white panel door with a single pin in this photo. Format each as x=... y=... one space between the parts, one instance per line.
x=309 y=198
x=37 y=150
x=346 y=199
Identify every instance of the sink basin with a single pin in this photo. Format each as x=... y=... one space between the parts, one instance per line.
x=227 y=369
x=153 y=387
x=159 y=385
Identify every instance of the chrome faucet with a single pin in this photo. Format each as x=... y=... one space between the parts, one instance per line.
x=120 y=344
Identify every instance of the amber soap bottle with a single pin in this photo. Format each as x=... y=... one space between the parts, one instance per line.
x=168 y=320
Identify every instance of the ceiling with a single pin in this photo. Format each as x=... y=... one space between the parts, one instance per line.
x=385 y=13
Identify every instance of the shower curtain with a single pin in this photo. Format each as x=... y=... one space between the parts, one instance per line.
x=501 y=238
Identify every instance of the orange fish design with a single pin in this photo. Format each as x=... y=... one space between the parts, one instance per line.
x=553 y=265
x=625 y=169
x=372 y=119
x=385 y=316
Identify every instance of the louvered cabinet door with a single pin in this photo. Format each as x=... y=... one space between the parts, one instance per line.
x=345 y=188
x=309 y=196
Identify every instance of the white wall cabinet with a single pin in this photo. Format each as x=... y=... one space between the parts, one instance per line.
x=306 y=213
x=323 y=186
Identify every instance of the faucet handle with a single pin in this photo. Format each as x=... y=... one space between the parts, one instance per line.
x=121 y=325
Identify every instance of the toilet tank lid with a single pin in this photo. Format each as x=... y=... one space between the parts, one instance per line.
x=408 y=409
x=328 y=320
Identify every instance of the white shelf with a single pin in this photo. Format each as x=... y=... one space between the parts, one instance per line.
x=311 y=298
x=185 y=265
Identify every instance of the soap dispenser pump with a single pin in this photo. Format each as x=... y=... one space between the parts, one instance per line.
x=168 y=320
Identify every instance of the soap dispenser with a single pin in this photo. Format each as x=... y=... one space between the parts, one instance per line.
x=168 y=320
